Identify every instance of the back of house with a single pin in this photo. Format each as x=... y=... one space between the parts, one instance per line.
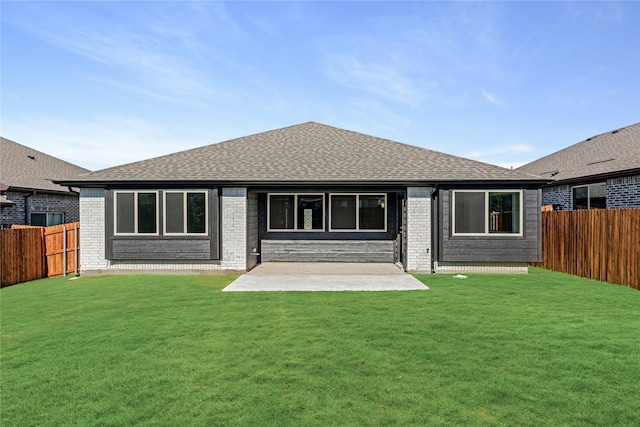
x=308 y=193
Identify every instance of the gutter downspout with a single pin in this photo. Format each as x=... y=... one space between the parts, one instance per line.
x=26 y=207
x=435 y=227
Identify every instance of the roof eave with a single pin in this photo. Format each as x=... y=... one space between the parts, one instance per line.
x=301 y=183
x=42 y=190
x=595 y=177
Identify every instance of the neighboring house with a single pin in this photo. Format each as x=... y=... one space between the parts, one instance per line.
x=313 y=193
x=600 y=172
x=27 y=194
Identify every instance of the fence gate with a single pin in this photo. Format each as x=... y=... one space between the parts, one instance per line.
x=63 y=249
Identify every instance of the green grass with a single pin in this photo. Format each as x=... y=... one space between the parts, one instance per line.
x=538 y=349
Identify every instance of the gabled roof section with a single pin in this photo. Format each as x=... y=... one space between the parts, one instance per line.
x=609 y=154
x=22 y=167
x=308 y=152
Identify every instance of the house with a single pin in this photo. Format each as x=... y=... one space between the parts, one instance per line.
x=27 y=194
x=308 y=192
x=600 y=172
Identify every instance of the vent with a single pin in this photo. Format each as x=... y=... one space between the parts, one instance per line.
x=599 y=161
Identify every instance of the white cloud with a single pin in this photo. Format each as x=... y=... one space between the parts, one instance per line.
x=491 y=98
x=381 y=77
x=420 y=58
x=171 y=49
x=100 y=143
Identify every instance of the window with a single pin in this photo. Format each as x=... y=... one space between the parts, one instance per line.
x=592 y=196
x=295 y=212
x=136 y=212
x=358 y=212
x=47 y=219
x=185 y=212
x=487 y=212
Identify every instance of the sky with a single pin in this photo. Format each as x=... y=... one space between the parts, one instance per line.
x=104 y=83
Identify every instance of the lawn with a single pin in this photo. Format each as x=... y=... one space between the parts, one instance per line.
x=537 y=349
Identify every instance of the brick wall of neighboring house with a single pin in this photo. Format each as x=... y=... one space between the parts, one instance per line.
x=623 y=192
x=39 y=203
x=558 y=196
x=418 y=229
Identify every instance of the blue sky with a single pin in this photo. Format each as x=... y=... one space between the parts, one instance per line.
x=102 y=83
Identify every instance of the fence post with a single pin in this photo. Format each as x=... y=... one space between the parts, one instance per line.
x=64 y=250
x=75 y=249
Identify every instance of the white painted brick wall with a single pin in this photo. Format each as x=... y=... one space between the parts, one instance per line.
x=92 y=255
x=481 y=267
x=234 y=228
x=418 y=229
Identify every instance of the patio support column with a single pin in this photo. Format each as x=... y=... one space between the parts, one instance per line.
x=418 y=229
x=234 y=228
x=92 y=233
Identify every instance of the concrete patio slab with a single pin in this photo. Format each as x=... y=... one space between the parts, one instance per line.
x=329 y=277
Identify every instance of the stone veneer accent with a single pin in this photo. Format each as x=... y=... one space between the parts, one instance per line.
x=418 y=229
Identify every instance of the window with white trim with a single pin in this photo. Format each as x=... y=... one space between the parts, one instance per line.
x=592 y=196
x=295 y=212
x=136 y=212
x=480 y=212
x=47 y=219
x=185 y=212
x=358 y=212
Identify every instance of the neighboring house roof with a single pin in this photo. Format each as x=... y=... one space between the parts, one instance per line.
x=305 y=153
x=22 y=168
x=613 y=153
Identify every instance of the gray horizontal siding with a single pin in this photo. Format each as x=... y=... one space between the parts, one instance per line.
x=327 y=250
x=159 y=249
x=492 y=248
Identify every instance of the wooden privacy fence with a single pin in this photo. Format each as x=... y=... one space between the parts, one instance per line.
x=601 y=244
x=30 y=253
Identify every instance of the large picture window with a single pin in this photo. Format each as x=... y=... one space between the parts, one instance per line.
x=592 y=196
x=136 y=212
x=487 y=212
x=185 y=212
x=358 y=212
x=295 y=212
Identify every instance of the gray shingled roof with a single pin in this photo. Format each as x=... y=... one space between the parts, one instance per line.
x=309 y=152
x=610 y=153
x=22 y=167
